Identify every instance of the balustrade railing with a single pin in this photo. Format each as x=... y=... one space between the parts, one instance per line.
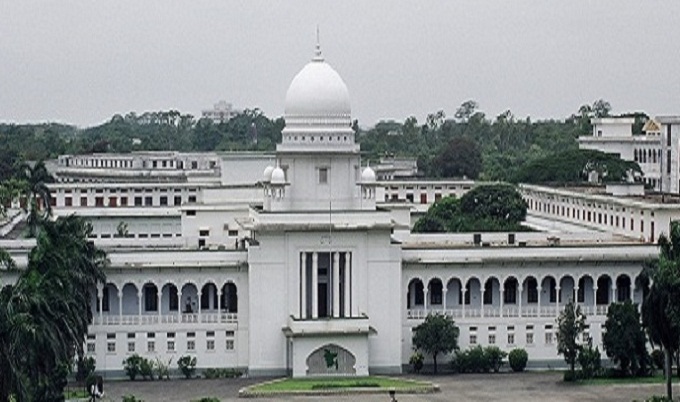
x=507 y=311
x=149 y=319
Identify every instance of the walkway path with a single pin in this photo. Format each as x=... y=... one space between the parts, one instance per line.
x=528 y=387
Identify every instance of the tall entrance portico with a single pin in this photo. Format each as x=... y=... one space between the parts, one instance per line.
x=320 y=245
x=325 y=284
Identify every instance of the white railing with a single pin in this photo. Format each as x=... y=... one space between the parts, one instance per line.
x=507 y=311
x=149 y=319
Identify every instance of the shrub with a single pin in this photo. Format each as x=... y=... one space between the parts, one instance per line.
x=85 y=367
x=131 y=398
x=146 y=368
x=657 y=359
x=494 y=357
x=131 y=365
x=416 y=361
x=473 y=360
x=518 y=359
x=187 y=365
x=570 y=376
x=589 y=360
x=162 y=369
x=211 y=373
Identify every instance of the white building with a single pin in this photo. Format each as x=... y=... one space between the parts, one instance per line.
x=220 y=113
x=309 y=268
x=657 y=151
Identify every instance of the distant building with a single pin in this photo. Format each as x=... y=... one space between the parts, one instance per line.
x=657 y=151
x=221 y=112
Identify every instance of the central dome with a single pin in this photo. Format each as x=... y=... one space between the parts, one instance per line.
x=317 y=93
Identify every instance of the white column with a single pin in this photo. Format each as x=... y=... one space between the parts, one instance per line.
x=303 y=285
x=140 y=292
x=347 y=282
x=444 y=290
x=100 y=299
x=315 y=285
x=219 y=304
x=576 y=295
x=120 y=305
x=481 y=304
x=539 y=290
x=336 y=284
x=501 y=293
x=179 y=304
x=198 y=304
x=557 y=300
x=594 y=297
x=613 y=299
x=426 y=293
x=160 y=295
x=519 y=307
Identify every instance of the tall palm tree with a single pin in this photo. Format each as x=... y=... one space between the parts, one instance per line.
x=660 y=310
x=45 y=315
x=38 y=194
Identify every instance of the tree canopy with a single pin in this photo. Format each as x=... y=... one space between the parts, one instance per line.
x=660 y=308
x=485 y=208
x=438 y=334
x=624 y=339
x=570 y=325
x=44 y=316
x=574 y=166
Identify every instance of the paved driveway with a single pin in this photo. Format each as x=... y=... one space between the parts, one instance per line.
x=530 y=386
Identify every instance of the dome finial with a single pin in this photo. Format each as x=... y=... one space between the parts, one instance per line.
x=317 y=51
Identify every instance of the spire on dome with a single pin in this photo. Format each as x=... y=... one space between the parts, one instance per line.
x=317 y=52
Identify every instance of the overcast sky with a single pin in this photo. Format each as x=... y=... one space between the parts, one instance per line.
x=82 y=61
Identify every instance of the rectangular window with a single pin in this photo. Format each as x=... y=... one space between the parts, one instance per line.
x=492 y=339
x=111 y=347
x=123 y=201
x=191 y=345
x=323 y=175
x=473 y=339
x=530 y=338
x=229 y=344
x=210 y=344
x=131 y=347
x=171 y=346
x=192 y=198
x=178 y=200
x=138 y=201
x=148 y=201
x=68 y=202
x=83 y=201
x=91 y=347
x=164 y=201
x=151 y=346
x=511 y=339
x=99 y=201
x=204 y=233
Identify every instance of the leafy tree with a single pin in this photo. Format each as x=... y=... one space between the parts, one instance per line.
x=498 y=202
x=570 y=325
x=460 y=157
x=624 y=339
x=589 y=359
x=187 y=365
x=44 y=316
x=660 y=308
x=437 y=334
x=466 y=110
x=573 y=166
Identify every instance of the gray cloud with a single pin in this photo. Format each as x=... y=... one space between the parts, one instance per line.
x=83 y=61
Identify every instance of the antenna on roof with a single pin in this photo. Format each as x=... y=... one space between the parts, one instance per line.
x=317 y=52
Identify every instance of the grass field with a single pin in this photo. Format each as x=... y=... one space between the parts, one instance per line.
x=321 y=384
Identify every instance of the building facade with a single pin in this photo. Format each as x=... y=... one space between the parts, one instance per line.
x=301 y=262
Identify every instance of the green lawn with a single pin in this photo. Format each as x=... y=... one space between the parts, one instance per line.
x=320 y=384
